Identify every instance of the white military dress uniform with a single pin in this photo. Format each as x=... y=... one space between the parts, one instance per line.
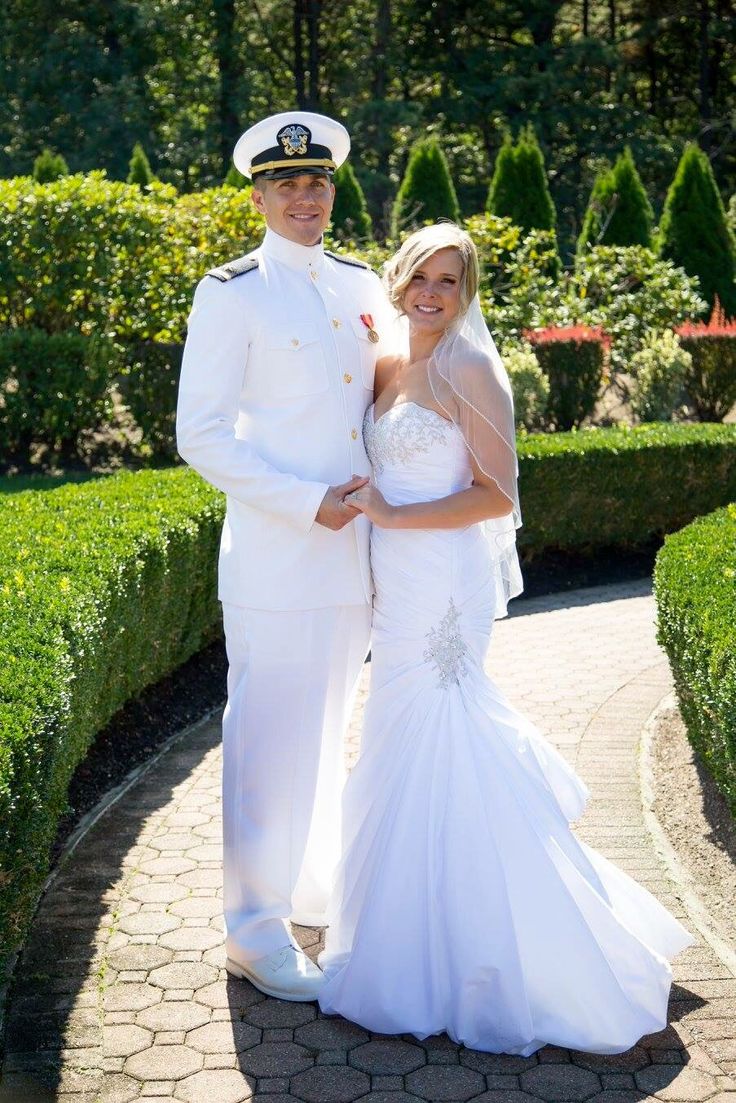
x=277 y=374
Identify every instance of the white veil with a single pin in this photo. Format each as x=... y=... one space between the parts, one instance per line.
x=470 y=384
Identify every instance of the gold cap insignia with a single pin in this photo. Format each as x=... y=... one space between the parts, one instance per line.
x=294 y=139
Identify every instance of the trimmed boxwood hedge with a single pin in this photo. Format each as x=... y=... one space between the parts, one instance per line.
x=105 y=587
x=621 y=487
x=695 y=589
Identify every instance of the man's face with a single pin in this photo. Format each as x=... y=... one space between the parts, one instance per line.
x=296 y=207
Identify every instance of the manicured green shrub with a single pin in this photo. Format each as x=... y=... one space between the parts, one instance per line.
x=694 y=232
x=573 y=358
x=619 y=211
x=149 y=386
x=49 y=166
x=157 y=244
x=235 y=179
x=629 y=292
x=426 y=192
x=519 y=189
x=139 y=169
x=596 y=488
x=350 y=218
x=695 y=591
x=529 y=385
x=105 y=587
x=52 y=388
x=659 y=367
x=711 y=379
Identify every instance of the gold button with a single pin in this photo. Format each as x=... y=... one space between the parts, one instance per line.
x=312 y=273
x=336 y=323
x=295 y=341
x=354 y=434
x=348 y=377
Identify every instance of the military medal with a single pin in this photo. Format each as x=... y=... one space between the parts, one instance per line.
x=367 y=320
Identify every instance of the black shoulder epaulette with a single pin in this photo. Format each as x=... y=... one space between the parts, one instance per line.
x=347 y=260
x=233 y=268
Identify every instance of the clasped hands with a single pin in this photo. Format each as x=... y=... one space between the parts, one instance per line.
x=341 y=504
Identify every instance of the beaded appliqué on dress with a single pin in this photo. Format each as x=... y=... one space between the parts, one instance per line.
x=395 y=439
x=447 y=648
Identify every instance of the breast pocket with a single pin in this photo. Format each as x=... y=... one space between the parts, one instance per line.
x=296 y=363
x=367 y=353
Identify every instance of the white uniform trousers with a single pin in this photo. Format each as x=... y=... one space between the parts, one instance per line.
x=291 y=684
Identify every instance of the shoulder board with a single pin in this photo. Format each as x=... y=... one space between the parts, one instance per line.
x=233 y=268
x=347 y=260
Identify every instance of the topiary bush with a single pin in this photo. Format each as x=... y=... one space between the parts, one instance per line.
x=573 y=358
x=659 y=367
x=619 y=211
x=529 y=385
x=139 y=169
x=350 y=218
x=105 y=587
x=625 y=487
x=695 y=592
x=694 y=232
x=519 y=189
x=426 y=193
x=710 y=380
x=52 y=388
x=49 y=166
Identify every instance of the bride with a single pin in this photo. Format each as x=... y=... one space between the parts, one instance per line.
x=464 y=903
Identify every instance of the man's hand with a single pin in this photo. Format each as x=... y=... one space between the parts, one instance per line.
x=334 y=513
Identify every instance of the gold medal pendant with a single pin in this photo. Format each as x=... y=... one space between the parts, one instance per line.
x=367 y=321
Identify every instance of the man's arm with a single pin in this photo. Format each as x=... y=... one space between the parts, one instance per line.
x=213 y=366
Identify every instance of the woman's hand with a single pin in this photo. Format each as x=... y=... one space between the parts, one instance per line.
x=369 y=500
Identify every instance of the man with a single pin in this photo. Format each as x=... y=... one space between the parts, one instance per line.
x=276 y=377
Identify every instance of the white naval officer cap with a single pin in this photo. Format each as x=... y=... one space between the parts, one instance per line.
x=292 y=143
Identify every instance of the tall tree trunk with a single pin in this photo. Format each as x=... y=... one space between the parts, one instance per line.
x=299 y=82
x=704 y=76
x=586 y=17
x=312 y=14
x=227 y=119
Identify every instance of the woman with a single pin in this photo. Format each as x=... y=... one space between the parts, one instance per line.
x=464 y=903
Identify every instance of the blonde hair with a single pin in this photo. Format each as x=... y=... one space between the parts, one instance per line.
x=416 y=251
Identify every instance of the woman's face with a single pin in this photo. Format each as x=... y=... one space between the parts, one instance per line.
x=432 y=299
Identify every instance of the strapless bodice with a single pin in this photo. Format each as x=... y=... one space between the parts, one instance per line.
x=416 y=454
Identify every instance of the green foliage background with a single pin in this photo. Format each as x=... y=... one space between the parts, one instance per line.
x=183 y=79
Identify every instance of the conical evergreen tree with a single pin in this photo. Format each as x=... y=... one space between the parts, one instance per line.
x=427 y=192
x=49 y=166
x=619 y=211
x=350 y=218
x=504 y=189
x=235 y=179
x=139 y=169
x=519 y=189
x=694 y=233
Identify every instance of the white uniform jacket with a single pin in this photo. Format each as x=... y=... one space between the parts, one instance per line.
x=276 y=377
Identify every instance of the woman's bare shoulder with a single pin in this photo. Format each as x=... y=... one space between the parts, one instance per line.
x=386 y=368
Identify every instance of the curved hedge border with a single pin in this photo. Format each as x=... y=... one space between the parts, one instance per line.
x=105 y=587
x=626 y=487
x=695 y=589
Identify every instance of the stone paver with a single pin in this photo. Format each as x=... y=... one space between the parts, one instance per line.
x=121 y=994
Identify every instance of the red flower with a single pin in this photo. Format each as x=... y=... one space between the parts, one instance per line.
x=576 y=334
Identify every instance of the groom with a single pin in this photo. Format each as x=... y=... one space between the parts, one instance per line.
x=276 y=377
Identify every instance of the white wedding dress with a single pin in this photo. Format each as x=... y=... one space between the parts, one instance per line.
x=464 y=903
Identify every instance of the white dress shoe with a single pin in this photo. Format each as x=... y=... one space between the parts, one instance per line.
x=287 y=974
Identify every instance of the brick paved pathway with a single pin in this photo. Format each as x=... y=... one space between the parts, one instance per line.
x=121 y=993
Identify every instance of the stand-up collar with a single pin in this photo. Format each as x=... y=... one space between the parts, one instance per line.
x=302 y=258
